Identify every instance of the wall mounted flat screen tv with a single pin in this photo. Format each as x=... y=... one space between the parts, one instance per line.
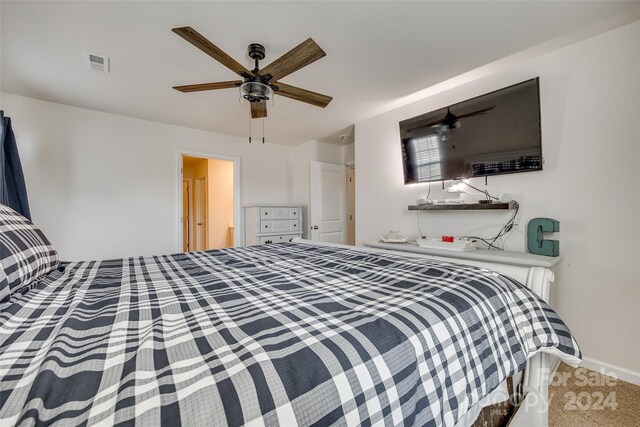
x=492 y=134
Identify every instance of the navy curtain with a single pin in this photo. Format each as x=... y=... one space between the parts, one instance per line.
x=13 y=191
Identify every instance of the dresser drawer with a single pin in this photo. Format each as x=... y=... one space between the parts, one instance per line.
x=269 y=239
x=280 y=225
x=279 y=213
x=294 y=213
x=265 y=213
x=265 y=240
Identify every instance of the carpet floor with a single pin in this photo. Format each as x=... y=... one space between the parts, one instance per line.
x=583 y=398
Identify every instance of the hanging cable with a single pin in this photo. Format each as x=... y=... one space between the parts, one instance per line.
x=508 y=227
x=485 y=192
x=422 y=236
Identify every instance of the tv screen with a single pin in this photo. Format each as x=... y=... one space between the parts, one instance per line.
x=492 y=134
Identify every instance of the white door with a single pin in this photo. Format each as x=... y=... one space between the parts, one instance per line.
x=327 y=210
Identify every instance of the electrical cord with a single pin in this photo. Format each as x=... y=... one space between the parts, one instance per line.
x=485 y=192
x=491 y=241
x=486 y=242
x=508 y=227
x=418 y=217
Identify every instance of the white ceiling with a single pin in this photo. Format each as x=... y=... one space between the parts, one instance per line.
x=376 y=52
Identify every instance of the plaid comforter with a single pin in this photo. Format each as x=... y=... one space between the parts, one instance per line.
x=287 y=334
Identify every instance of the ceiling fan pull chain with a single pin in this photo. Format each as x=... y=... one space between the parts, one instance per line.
x=263 y=130
x=249 y=129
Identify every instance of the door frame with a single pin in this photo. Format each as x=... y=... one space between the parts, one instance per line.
x=350 y=172
x=190 y=204
x=205 y=183
x=238 y=227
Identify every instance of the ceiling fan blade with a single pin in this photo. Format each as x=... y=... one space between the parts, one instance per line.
x=476 y=113
x=258 y=110
x=201 y=42
x=442 y=121
x=209 y=86
x=302 y=95
x=432 y=124
x=300 y=56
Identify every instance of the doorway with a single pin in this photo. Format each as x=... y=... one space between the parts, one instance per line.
x=209 y=203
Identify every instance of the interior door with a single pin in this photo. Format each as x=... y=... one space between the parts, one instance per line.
x=327 y=210
x=200 y=211
x=186 y=213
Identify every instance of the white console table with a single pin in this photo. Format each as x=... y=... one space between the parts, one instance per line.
x=482 y=255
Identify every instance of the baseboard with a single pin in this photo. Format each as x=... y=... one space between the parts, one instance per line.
x=621 y=373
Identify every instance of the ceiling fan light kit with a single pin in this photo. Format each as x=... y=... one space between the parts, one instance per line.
x=256 y=93
x=259 y=86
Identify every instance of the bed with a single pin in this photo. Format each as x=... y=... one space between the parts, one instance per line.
x=283 y=334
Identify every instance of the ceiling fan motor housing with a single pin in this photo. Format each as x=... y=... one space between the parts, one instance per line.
x=256 y=51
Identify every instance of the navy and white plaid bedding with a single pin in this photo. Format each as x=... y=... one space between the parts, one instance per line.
x=289 y=334
x=25 y=253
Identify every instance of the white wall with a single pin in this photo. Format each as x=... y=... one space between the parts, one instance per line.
x=102 y=185
x=348 y=153
x=301 y=155
x=220 y=195
x=590 y=101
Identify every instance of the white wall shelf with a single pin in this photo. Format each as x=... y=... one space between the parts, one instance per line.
x=464 y=206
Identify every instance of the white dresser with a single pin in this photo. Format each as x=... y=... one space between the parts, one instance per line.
x=272 y=223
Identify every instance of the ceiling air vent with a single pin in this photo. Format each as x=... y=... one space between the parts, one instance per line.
x=96 y=62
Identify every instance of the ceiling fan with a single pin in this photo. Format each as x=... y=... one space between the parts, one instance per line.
x=258 y=85
x=450 y=121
